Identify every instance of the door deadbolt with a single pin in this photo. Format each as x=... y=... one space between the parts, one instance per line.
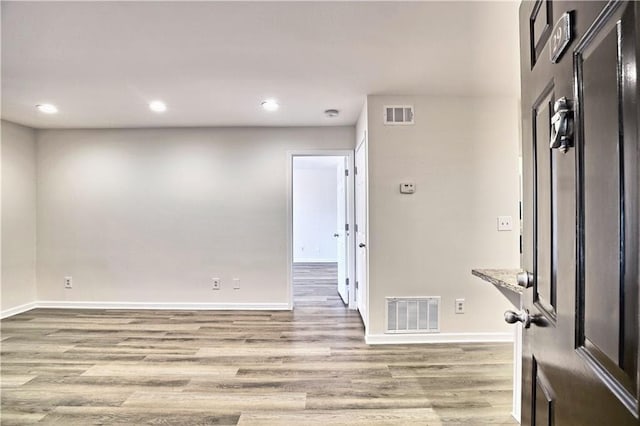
x=525 y=279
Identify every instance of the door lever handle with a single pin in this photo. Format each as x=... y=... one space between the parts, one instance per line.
x=336 y=235
x=514 y=317
x=562 y=125
x=362 y=245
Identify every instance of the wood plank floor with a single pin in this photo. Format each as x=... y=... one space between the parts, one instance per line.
x=306 y=367
x=315 y=285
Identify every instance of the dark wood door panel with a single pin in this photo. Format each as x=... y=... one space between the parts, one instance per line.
x=543 y=398
x=545 y=187
x=630 y=94
x=608 y=287
x=599 y=144
x=580 y=216
x=540 y=23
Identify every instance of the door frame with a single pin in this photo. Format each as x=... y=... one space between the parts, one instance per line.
x=350 y=241
x=363 y=144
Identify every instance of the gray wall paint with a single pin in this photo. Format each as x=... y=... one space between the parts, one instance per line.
x=18 y=215
x=462 y=153
x=150 y=215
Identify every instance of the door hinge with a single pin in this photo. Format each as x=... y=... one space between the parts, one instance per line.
x=347 y=281
x=346 y=172
x=356 y=285
x=356 y=227
x=355 y=169
x=346 y=227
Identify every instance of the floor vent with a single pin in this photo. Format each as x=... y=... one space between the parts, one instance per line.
x=413 y=315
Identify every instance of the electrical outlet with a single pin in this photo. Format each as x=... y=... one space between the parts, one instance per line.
x=215 y=283
x=68 y=282
x=505 y=223
x=236 y=283
x=459 y=306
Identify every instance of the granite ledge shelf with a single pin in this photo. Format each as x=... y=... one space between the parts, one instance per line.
x=501 y=278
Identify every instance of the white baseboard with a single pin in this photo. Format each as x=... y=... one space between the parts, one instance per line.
x=17 y=310
x=165 y=306
x=314 y=260
x=402 y=339
x=53 y=304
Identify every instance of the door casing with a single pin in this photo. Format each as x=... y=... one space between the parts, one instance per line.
x=350 y=258
x=362 y=217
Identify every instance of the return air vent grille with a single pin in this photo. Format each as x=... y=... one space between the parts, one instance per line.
x=413 y=315
x=398 y=114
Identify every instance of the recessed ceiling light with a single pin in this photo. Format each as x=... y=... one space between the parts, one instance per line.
x=157 y=106
x=47 y=108
x=270 y=105
x=331 y=113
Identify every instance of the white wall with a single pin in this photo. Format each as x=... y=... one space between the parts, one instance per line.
x=150 y=215
x=362 y=125
x=18 y=216
x=314 y=213
x=462 y=153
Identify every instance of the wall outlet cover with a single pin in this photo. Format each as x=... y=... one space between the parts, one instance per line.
x=68 y=282
x=215 y=283
x=459 y=308
x=236 y=283
x=505 y=223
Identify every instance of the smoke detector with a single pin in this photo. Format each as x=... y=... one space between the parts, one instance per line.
x=270 y=105
x=331 y=113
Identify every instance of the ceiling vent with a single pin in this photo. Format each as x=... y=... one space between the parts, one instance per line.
x=413 y=315
x=398 y=114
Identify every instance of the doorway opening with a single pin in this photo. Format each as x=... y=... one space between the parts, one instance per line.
x=321 y=212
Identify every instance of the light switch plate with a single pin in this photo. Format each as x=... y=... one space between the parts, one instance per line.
x=505 y=223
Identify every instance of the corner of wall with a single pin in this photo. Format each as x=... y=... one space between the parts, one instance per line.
x=362 y=124
x=17 y=218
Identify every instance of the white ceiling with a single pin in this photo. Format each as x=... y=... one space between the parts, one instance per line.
x=213 y=62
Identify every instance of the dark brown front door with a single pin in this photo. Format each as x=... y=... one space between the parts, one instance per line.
x=580 y=212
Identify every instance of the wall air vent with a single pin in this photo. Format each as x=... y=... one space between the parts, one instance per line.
x=398 y=114
x=413 y=315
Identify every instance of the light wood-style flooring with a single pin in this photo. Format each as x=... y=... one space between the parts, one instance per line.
x=306 y=367
x=315 y=285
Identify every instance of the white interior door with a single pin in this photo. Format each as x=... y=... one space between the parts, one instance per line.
x=340 y=234
x=361 y=230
